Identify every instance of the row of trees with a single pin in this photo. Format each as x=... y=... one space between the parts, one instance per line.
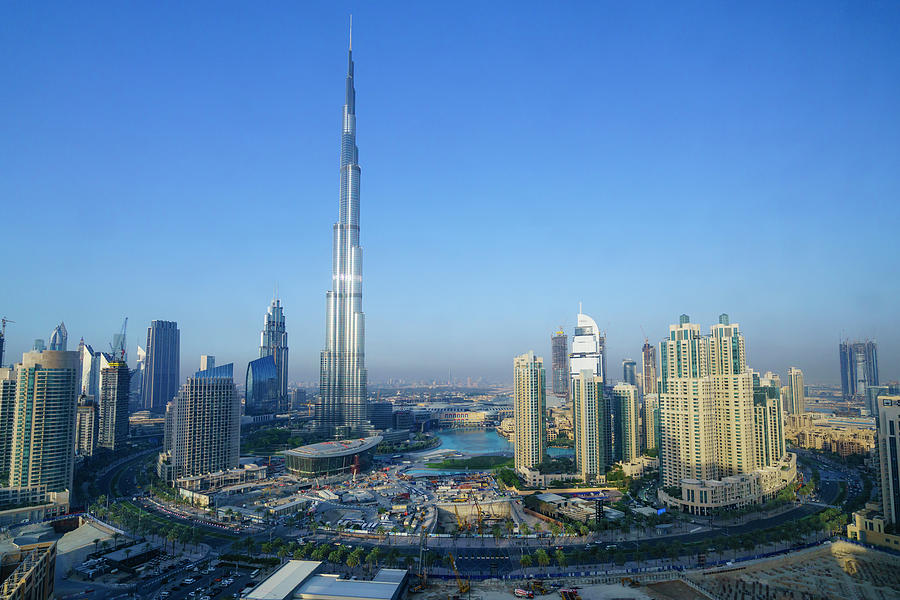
x=142 y=523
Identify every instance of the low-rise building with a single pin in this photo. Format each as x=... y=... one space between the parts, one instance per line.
x=305 y=580
x=31 y=572
x=868 y=527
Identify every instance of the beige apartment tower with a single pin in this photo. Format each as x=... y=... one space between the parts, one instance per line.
x=796 y=404
x=529 y=405
x=592 y=426
x=628 y=431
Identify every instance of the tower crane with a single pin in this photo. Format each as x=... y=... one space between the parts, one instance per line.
x=463 y=584
x=117 y=346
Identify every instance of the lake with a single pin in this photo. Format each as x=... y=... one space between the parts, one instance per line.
x=484 y=441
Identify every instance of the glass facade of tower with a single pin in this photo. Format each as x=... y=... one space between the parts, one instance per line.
x=262 y=387
x=341 y=406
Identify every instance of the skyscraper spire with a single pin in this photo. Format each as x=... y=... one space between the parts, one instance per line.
x=341 y=407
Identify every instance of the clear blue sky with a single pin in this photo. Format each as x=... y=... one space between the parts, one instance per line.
x=175 y=160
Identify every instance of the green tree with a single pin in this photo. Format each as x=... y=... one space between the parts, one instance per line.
x=560 y=557
x=541 y=557
x=526 y=561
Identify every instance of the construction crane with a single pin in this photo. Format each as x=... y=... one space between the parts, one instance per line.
x=117 y=346
x=478 y=508
x=460 y=524
x=4 y=320
x=463 y=584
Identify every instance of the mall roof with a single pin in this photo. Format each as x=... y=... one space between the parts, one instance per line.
x=282 y=583
x=335 y=448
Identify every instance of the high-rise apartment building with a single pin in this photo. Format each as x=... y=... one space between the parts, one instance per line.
x=43 y=439
x=273 y=341
x=87 y=426
x=586 y=348
x=529 y=410
x=59 y=338
x=796 y=400
x=341 y=405
x=203 y=423
x=768 y=425
x=627 y=428
x=559 y=345
x=648 y=368
x=592 y=425
x=7 y=411
x=888 y=424
x=115 y=384
x=628 y=371
x=650 y=421
x=162 y=365
x=859 y=367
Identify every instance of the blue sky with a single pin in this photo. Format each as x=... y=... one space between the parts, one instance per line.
x=176 y=160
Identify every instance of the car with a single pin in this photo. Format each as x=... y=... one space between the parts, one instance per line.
x=192 y=594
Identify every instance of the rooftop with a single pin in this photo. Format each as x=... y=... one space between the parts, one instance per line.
x=282 y=583
x=335 y=448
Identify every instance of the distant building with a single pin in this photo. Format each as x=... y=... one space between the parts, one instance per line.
x=650 y=422
x=59 y=338
x=43 y=439
x=262 y=387
x=559 y=344
x=207 y=362
x=204 y=424
x=273 y=341
x=648 y=368
x=115 y=384
x=796 y=393
x=87 y=422
x=889 y=456
x=162 y=365
x=628 y=371
x=592 y=426
x=381 y=415
x=298 y=399
x=859 y=367
x=587 y=348
x=530 y=404
x=39 y=346
x=627 y=436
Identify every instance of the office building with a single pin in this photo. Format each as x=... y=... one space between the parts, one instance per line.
x=59 y=338
x=262 y=387
x=273 y=341
x=137 y=378
x=43 y=440
x=203 y=423
x=381 y=415
x=859 y=367
x=341 y=405
x=115 y=385
x=592 y=426
x=627 y=428
x=207 y=361
x=648 y=368
x=298 y=400
x=39 y=346
x=628 y=371
x=162 y=365
x=796 y=395
x=529 y=405
x=559 y=353
x=7 y=411
x=90 y=369
x=87 y=426
x=888 y=424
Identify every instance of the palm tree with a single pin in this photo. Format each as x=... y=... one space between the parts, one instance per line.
x=353 y=560
x=541 y=557
x=116 y=536
x=282 y=553
x=526 y=561
x=560 y=557
x=96 y=544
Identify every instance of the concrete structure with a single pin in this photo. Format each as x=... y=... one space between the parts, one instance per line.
x=889 y=456
x=627 y=428
x=305 y=580
x=341 y=407
x=203 y=425
x=115 y=385
x=559 y=354
x=796 y=394
x=43 y=438
x=87 y=423
x=162 y=365
x=273 y=341
x=530 y=405
x=592 y=426
x=31 y=572
x=331 y=458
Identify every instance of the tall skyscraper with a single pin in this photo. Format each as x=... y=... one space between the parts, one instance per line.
x=162 y=365
x=628 y=372
x=273 y=341
x=592 y=425
x=207 y=361
x=627 y=436
x=7 y=412
x=59 y=338
x=768 y=425
x=529 y=408
x=859 y=367
x=888 y=433
x=648 y=368
x=261 y=387
x=115 y=384
x=559 y=344
x=650 y=422
x=341 y=405
x=43 y=440
x=87 y=422
x=204 y=424
x=586 y=348
x=796 y=394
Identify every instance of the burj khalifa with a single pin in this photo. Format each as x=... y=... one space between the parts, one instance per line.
x=341 y=407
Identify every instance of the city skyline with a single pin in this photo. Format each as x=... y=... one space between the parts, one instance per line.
x=754 y=163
